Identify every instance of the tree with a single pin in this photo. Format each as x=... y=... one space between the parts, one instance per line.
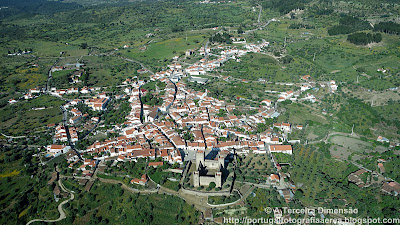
x=287 y=59
x=349 y=24
x=212 y=185
x=388 y=27
x=364 y=38
x=83 y=45
x=240 y=30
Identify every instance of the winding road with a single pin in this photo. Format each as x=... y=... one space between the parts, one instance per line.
x=266 y=24
x=60 y=209
x=135 y=61
x=326 y=138
x=126 y=187
x=241 y=199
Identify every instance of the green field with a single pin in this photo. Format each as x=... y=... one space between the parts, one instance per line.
x=260 y=168
x=21 y=196
x=216 y=200
x=160 y=53
x=298 y=113
x=109 y=204
x=108 y=70
x=20 y=118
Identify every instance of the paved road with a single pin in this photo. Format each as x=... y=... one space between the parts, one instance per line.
x=259 y=14
x=65 y=121
x=60 y=209
x=266 y=24
x=50 y=75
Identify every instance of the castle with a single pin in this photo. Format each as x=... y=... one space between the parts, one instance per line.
x=208 y=170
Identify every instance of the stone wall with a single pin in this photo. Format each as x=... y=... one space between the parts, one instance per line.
x=200 y=193
x=205 y=181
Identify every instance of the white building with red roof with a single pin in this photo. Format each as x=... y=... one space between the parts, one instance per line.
x=287 y=149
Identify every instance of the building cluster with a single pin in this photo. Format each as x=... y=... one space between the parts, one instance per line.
x=174 y=73
x=192 y=121
x=363 y=179
x=169 y=95
x=77 y=116
x=61 y=134
x=60 y=92
x=32 y=93
x=98 y=103
x=19 y=52
x=72 y=90
x=333 y=86
x=226 y=53
x=187 y=122
x=134 y=117
x=132 y=148
x=303 y=93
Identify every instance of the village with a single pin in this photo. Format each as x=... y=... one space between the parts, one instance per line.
x=196 y=136
x=186 y=124
x=200 y=112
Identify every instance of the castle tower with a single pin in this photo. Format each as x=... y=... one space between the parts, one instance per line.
x=200 y=155
x=196 y=179
x=218 y=179
x=221 y=162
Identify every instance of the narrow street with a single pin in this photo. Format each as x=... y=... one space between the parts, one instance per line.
x=49 y=77
x=65 y=121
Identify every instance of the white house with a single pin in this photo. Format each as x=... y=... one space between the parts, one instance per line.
x=56 y=150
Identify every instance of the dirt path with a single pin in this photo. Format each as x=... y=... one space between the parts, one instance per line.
x=126 y=187
x=138 y=62
x=60 y=209
x=326 y=138
x=237 y=202
x=12 y=137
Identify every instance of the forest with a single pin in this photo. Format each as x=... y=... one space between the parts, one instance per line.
x=388 y=27
x=36 y=7
x=362 y=38
x=349 y=24
x=221 y=38
x=287 y=7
